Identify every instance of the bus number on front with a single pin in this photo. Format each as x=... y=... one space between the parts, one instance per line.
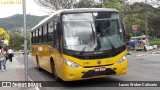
x=85 y=63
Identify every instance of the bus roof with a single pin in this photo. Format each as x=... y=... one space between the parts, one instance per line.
x=75 y=10
x=45 y=20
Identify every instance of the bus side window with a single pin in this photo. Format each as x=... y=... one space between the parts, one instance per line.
x=36 y=36
x=50 y=31
x=32 y=37
x=45 y=33
x=55 y=35
x=56 y=41
x=42 y=33
x=55 y=32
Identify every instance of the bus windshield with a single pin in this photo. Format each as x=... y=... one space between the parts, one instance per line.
x=92 y=31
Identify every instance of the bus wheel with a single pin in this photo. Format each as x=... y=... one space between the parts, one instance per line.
x=54 y=72
x=38 y=66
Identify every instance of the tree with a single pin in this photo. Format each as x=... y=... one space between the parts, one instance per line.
x=121 y=5
x=117 y=4
x=143 y=11
x=154 y=24
x=138 y=13
x=89 y=4
x=4 y=35
x=85 y=4
x=57 y=4
x=135 y=14
x=68 y=4
x=17 y=40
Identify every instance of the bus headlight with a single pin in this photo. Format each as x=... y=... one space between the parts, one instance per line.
x=71 y=64
x=121 y=59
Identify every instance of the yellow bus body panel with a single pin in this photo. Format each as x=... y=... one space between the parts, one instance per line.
x=46 y=53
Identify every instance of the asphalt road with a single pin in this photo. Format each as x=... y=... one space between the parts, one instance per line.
x=140 y=68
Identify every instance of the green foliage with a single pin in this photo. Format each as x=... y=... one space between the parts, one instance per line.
x=154 y=42
x=135 y=15
x=129 y=35
x=154 y=22
x=4 y=35
x=116 y=4
x=88 y=4
x=84 y=4
x=17 y=40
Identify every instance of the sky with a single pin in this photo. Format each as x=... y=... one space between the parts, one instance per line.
x=32 y=8
x=13 y=7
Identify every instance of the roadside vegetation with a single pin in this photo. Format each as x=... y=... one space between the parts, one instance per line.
x=154 y=42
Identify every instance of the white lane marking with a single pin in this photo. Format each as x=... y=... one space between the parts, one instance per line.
x=37 y=88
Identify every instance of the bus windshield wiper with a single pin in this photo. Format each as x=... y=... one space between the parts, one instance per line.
x=92 y=35
x=106 y=36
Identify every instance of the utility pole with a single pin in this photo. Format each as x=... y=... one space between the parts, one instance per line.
x=146 y=22
x=25 y=40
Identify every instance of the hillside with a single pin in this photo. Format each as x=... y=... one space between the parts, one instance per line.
x=15 y=22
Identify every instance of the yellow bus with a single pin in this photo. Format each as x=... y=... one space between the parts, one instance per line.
x=78 y=44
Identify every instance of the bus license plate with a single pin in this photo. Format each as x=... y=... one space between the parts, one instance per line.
x=99 y=69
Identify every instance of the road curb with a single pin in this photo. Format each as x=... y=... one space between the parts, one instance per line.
x=22 y=75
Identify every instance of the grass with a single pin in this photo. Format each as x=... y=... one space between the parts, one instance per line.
x=154 y=42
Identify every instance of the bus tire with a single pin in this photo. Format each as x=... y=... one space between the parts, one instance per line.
x=38 y=65
x=54 y=72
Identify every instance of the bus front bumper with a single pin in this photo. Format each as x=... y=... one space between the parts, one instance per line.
x=81 y=73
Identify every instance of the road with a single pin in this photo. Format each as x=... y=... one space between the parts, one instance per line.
x=140 y=68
